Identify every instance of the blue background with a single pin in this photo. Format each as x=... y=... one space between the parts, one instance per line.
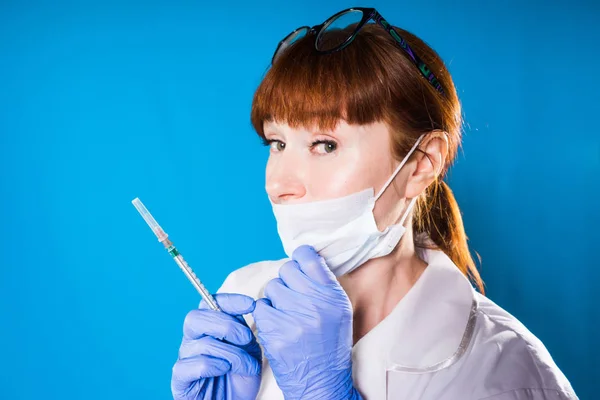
x=103 y=102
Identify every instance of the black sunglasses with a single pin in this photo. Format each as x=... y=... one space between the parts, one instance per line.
x=332 y=36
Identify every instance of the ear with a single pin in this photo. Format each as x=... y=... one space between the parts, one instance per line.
x=430 y=162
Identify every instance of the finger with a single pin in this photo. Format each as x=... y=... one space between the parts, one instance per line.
x=186 y=371
x=232 y=303
x=199 y=323
x=281 y=297
x=198 y=347
x=191 y=348
x=313 y=265
x=274 y=326
x=266 y=317
x=241 y=362
x=293 y=277
x=262 y=302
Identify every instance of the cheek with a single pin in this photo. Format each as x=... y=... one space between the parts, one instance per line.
x=344 y=177
x=329 y=183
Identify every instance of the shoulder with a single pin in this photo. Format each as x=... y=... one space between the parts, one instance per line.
x=251 y=279
x=516 y=364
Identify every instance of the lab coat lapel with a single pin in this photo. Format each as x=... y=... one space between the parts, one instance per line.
x=436 y=317
x=427 y=330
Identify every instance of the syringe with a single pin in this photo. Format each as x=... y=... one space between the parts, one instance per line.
x=187 y=270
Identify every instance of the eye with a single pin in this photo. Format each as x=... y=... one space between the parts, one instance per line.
x=276 y=145
x=324 y=146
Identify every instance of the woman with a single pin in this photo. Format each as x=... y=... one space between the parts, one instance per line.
x=377 y=300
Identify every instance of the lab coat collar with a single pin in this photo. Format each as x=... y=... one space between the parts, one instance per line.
x=431 y=327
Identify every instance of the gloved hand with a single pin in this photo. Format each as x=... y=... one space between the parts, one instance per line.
x=219 y=357
x=305 y=327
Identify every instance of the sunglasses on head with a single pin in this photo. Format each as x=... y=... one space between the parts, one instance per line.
x=339 y=31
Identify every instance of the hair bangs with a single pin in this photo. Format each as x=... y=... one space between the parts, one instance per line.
x=305 y=88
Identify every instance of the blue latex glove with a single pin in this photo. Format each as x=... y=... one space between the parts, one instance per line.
x=219 y=357
x=305 y=327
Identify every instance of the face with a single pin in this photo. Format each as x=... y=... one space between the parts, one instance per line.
x=306 y=165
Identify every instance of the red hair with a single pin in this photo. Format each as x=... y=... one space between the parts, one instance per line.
x=373 y=80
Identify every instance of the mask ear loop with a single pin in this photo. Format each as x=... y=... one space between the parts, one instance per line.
x=410 y=206
x=399 y=167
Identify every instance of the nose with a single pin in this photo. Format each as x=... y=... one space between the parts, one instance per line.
x=284 y=181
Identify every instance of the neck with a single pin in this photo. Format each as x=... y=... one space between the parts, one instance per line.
x=376 y=287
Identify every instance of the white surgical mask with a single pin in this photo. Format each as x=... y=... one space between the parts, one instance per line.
x=342 y=230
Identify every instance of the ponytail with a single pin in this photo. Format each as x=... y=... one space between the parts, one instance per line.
x=437 y=214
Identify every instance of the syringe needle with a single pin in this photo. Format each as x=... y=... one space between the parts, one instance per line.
x=187 y=270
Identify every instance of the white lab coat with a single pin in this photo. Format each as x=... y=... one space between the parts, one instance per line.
x=443 y=340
